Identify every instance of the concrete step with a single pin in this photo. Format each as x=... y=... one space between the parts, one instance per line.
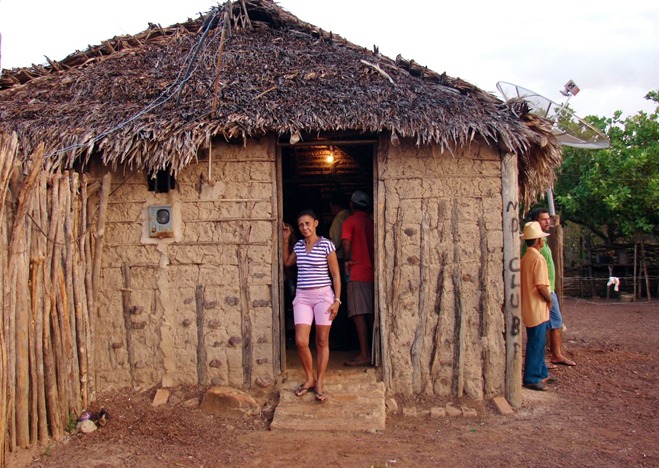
x=355 y=402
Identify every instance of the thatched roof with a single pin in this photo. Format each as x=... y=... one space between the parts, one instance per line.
x=245 y=69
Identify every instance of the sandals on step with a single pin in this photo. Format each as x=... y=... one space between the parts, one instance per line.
x=565 y=362
x=302 y=390
x=356 y=362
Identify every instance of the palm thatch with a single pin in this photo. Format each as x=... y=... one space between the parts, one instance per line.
x=242 y=70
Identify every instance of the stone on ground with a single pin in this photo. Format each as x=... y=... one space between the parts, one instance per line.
x=86 y=426
x=502 y=406
x=162 y=395
x=229 y=402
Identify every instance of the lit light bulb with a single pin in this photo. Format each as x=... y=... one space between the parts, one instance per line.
x=330 y=158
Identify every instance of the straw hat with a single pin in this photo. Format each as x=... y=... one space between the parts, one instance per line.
x=533 y=230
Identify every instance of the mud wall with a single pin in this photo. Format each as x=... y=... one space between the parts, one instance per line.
x=440 y=289
x=196 y=307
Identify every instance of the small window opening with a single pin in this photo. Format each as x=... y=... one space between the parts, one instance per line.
x=162 y=182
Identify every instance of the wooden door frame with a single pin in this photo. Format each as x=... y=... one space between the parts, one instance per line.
x=378 y=217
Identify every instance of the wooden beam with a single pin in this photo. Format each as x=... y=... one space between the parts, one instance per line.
x=511 y=276
x=328 y=142
x=555 y=242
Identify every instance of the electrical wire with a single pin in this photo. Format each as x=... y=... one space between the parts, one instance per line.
x=186 y=71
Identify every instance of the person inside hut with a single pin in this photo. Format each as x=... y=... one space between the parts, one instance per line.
x=290 y=281
x=340 y=337
x=535 y=302
x=357 y=239
x=317 y=298
x=541 y=215
x=340 y=209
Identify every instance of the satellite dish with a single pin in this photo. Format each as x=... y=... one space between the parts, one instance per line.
x=569 y=129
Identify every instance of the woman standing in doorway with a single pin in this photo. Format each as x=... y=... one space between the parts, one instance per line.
x=316 y=297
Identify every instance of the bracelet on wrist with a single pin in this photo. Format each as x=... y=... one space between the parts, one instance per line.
x=336 y=299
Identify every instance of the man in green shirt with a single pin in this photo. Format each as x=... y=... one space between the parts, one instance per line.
x=541 y=215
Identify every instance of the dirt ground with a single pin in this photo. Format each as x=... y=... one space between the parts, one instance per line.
x=601 y=413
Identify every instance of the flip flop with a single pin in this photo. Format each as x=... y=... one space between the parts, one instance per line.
x=357 y=362
x=319 y=396
x=565 y=362
x=539 y=386
x=302 y=390
x=551 y=366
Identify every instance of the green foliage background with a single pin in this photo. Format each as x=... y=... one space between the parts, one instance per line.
x=614 y=192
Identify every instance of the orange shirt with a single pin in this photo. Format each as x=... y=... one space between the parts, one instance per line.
x=533 y=271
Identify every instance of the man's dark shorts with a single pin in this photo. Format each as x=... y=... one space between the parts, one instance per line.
x=360 y=298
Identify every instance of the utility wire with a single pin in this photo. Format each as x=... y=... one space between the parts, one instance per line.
x=186 y=71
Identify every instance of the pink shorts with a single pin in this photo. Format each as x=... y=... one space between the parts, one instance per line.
x=310 y=304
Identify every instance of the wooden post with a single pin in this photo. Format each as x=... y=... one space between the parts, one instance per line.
x=80 y=300
x=85 y=251
x=57 y=305
x=202 y=361
x=69 y=316
x=19 y=307
x=34 y=323
x=42 y=243
x=383 y=308
x=8 y=148
x=100 y=236
x=511 y=253
x=49 y=338
x=555 y=242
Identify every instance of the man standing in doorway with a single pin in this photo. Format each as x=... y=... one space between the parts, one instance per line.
x=357 y=240
x=535 y=303
x=339 y=208
x=340 y=336
x=541 y=215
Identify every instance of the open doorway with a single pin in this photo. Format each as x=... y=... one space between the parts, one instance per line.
x=313 y=174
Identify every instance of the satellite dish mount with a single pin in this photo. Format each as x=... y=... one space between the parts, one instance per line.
x=568 y=129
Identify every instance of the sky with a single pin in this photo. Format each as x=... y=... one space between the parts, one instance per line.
x=610 y=49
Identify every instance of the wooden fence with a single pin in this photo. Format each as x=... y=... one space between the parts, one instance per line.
x=51 y=237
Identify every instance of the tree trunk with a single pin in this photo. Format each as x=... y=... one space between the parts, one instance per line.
x=635 y=266
x=589 y=253
x=645 y=270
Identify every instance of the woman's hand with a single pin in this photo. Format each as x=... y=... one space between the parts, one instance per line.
x=335 y=273
x=333 y=311
x=289 y=256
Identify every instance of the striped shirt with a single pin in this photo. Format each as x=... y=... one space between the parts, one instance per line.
x=312 y=267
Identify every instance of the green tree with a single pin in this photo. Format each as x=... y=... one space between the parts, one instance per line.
x=615 y=192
